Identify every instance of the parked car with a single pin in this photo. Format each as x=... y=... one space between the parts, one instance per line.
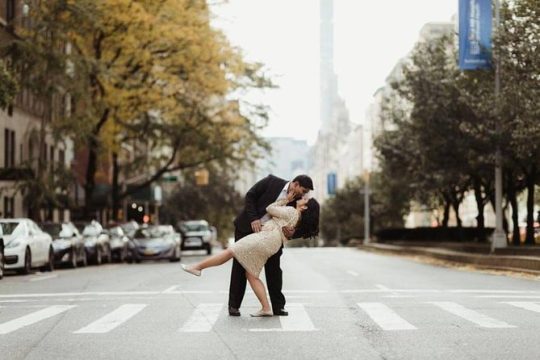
x=2 y=259
x=119 y=243
x=196 y=234
x=26 y=246
x=68 y=244
x=129 y=229
x=97 y=243
x=157 y=242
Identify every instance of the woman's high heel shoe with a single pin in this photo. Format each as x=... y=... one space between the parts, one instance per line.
x=191 y=271
x=261 y=313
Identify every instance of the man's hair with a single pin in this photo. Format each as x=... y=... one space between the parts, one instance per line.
x=304 y=181
x=308 y=226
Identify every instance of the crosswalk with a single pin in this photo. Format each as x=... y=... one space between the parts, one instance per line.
x=204 y=317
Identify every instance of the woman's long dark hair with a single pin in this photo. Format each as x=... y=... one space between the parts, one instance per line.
x=309 y=221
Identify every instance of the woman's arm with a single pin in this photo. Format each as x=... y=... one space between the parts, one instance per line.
x=278 y=209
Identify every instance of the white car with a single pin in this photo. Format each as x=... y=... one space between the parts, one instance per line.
x=26 y=246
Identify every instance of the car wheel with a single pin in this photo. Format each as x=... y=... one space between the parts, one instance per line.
x=73 y=257
x=175 y=257
x=1 y=264
x=208 y=249
x=27 y=262
x=50 y=263
x=109 y=255
x=123 y=254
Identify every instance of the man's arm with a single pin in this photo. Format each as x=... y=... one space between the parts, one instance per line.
x=253 y=195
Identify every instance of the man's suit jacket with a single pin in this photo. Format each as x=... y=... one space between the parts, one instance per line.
x=262 y=194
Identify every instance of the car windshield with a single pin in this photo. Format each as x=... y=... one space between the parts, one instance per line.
x=12 y=228
x=194 y=227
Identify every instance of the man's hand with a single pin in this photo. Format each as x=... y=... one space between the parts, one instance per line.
x=288 y=231
x=256 y=226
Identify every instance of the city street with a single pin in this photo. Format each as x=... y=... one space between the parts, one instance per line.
x=343 y=304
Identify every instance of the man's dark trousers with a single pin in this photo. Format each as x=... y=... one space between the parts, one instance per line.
x=274 y=279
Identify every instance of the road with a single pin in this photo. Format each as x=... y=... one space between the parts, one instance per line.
x=343 y=304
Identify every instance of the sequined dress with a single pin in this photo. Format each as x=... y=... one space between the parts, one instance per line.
x=252 y=251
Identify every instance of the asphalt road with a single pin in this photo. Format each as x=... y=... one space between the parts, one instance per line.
x=343 y=304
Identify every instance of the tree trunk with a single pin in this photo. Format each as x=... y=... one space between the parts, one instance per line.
x=455 y=205
x=446 y=214
x=115 y=187
x=531 y=180
x=480 y=204
x=512 y=199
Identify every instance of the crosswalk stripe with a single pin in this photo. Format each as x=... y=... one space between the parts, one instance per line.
x=112 y=319
x=33 y=318
x=471 y=315
x=203 y=318
x=298 y=319
x=525 y=305
x=385 y=317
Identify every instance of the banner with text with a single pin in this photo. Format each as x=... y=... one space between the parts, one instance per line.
x=475 y=22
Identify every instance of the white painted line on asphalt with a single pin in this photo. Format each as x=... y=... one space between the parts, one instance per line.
x=43 y=277
x=471 y=315
x=298 y=320
x=525 y=305
x=13 y=301
x=508 y=296
x=353 y=273
x=170 y=289
x=203 y=319
x=494 y=291
x=89 y=293
x=112 y=319
x=385 y=317
x=382 y=287
x=33 y=318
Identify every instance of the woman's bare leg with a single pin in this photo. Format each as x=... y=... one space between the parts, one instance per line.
x=214 y=260
x=259 y=290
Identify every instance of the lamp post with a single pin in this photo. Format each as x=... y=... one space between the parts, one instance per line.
x=499 y=236
x=366 y=208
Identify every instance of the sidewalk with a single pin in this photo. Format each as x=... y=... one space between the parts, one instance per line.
x=520 y=259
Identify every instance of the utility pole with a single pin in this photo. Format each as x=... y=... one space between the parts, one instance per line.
x=367 y=214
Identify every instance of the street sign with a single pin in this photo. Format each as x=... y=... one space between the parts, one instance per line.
x=331 y=183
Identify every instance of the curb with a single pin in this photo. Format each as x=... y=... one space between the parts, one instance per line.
x=528 y=264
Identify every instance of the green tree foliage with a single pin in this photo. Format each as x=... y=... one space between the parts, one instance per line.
x=8 y=86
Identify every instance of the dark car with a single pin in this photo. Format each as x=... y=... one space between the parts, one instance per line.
x=119 y=243
x=196 y=234
x=156 y=242
x=68 y=243
x=97 y=243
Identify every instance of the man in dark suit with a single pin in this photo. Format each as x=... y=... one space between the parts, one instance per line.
x=250 y=220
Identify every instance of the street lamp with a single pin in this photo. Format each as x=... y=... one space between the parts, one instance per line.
x=367 y=214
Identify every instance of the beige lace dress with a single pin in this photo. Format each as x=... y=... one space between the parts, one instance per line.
x=253 y=251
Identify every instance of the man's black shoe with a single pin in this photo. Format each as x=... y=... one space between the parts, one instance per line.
x=281 y=312
x=233 y=311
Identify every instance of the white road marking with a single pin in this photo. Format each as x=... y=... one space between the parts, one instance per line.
x=33 y=318
x=385 y=317
x=471 y=315
x=43 y=277
x=89 y=293
x=353 y=273
x=170 y=289
x=203 y=319
x=508 y=296
x=112 y=319
x=382 y=287
x=525 y=305
x=298 y=320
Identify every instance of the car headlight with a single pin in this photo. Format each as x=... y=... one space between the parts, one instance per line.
x=13 y=244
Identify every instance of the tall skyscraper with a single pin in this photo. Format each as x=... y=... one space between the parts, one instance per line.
x=328 y=78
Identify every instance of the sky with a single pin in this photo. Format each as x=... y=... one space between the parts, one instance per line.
x=369 y=39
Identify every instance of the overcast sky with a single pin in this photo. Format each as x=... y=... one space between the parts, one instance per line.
x=370 y=37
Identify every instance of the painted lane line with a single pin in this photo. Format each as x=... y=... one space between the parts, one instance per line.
x=525 y=305
x=33 y=318
x=43 y=277
x=112 y=320
x=508 y=296
x=382 y=287
x=298 y=320
x=385 y=317
x=203 y=318
x=89 y=293
x=471 y=315
x=353 y=273
x=170 y=289
x=494 y=291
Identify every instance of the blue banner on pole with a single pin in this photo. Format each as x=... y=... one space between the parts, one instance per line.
x=331 y=181
x=475 y=22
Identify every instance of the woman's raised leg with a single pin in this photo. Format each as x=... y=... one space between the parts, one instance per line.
x=214 y=260
x=260 y=291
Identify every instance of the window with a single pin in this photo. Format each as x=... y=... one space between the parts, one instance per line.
x=9 y=207
x=62 y=158
x=9 y=148
x=10 y=10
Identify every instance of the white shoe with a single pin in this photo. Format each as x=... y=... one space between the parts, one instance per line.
x=261 y=313
x=191 y=271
